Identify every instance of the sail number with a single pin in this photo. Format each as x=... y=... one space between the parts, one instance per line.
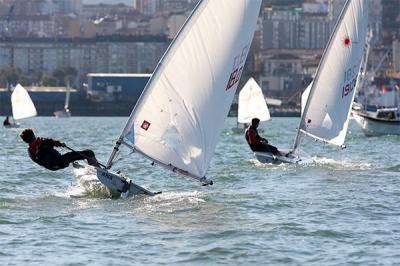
x=350 y=81
x=238 y=66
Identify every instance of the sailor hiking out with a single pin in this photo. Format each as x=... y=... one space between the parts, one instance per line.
x=42 y=152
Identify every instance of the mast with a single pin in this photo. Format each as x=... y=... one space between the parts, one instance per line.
x=363 y=71
x=315 y=81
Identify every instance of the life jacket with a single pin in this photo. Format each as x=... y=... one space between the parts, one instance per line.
x=247 y=134
x=44 y=154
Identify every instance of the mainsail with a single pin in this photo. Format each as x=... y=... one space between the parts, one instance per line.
x=252 y=103
x=178 y=118
x=22 y=105
x=326 y=113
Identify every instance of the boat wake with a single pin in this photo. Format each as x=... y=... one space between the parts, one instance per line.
x=272 y=166
x=169 y=202
x=342 y=164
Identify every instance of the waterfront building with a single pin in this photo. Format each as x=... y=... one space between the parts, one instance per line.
x=115 y=87
x=111 y=54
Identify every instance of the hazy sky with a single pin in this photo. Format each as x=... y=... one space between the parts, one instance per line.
x=128 y=2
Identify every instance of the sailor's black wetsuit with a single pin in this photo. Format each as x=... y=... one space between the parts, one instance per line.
x=42 y=152
x=258 y=143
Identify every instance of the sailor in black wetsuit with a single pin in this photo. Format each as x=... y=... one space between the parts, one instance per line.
x=42 y=152
x=258 y=143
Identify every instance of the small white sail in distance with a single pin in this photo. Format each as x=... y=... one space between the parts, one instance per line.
x=181 y=113
x=22 y=105
x=252 y=103
x=326 y=113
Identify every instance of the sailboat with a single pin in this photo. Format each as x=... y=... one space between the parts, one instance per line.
x=178 y=118
x=65 y=113
x=22 y=105
x=251 y=105
x=384 y=120
x=327 y=109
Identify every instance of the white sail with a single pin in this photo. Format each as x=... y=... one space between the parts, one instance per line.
x=178 y=118
x=304 y=97
x=252 y=103
x=22 y=105
x=327 y=110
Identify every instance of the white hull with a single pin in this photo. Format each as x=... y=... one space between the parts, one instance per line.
x=266 y=157
x=372 y=126
x=117 y=184
x=62 y=114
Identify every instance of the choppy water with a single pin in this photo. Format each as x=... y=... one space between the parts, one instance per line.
x=342 y=210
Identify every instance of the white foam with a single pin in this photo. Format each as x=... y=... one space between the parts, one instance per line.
x=171 y=201
x=342 y=164
x=258 y=164
x=88 y=183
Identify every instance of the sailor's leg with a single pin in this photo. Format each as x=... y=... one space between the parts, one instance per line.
x=73 y=156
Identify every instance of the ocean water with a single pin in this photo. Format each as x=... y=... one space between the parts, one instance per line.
x=344 y=209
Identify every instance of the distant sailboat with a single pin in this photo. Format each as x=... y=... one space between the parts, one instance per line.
x=22 y=105
x=327 y=109
x=384 y=120
x=251 y=105
x=65 y=113
x=177 y=121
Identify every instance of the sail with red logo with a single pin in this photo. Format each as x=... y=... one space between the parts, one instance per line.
x=327 y=109
x=181 y=113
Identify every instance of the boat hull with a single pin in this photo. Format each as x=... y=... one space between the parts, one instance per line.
x=116 y=183
x=377 y=127
x=62 y=114
x=293 y=158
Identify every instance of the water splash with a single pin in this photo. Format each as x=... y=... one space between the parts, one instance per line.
x=88 y=184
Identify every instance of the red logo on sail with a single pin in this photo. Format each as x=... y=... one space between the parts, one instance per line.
x=346 y=41
x=145 y=125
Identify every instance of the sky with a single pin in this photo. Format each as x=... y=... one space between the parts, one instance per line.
x=128 y=2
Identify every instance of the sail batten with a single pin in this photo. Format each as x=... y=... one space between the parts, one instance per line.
x=178 y=118
x=327 y=110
